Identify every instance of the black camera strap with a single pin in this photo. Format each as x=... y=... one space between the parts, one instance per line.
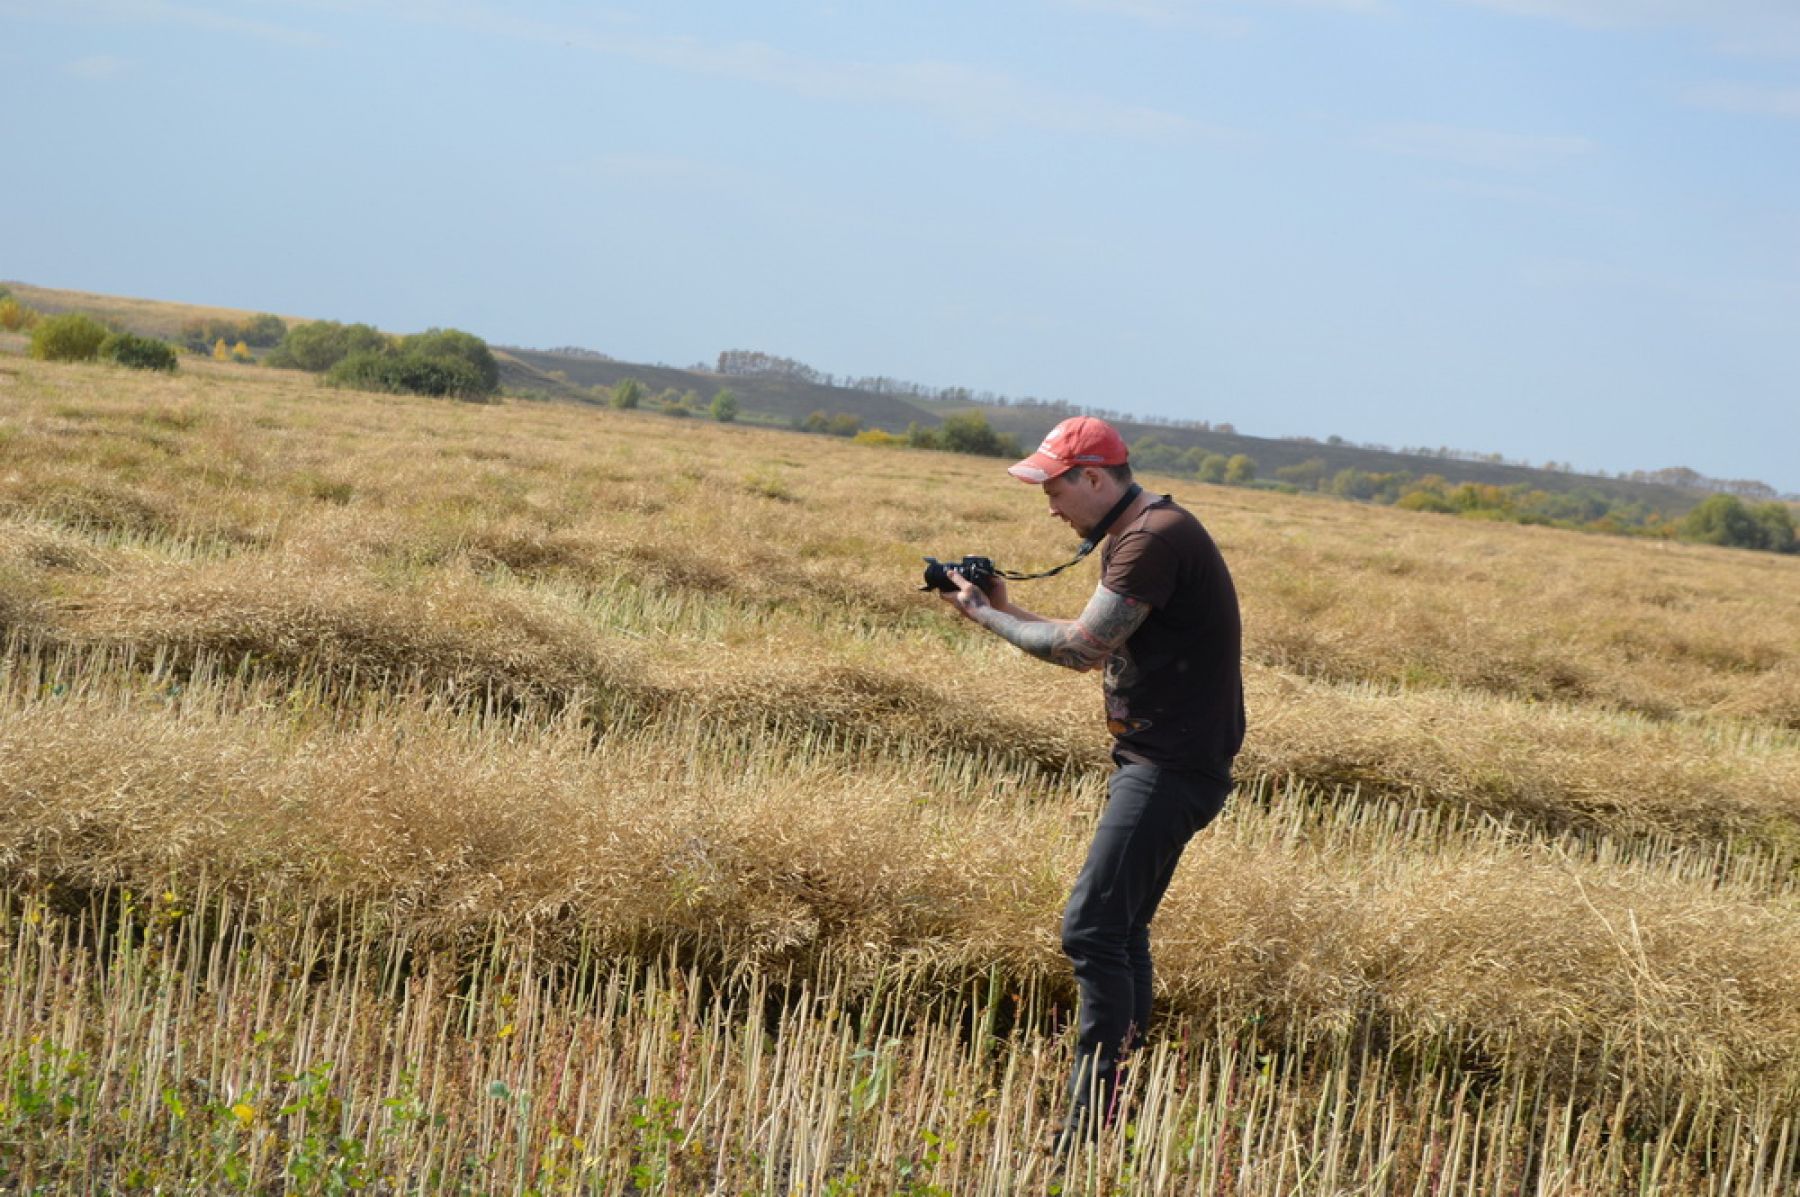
x=1087 y=546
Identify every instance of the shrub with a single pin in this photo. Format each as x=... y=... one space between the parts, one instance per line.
x=15 y=316
x=241 y=353
x=877 y=436
x=969 y=432
x=1352 y=483
x=1424 y=500
x=920 y=436
x=1212 y=467
x=139 y=353
x=627 y=394
x=407 y=373
x=841 y=423
x=71 y=337
x=724 y=407
x=1240 y=470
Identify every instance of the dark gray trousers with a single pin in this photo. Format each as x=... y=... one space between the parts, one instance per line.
x=1151 y=813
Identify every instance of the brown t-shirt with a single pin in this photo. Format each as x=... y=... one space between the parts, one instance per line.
x=1175 y=689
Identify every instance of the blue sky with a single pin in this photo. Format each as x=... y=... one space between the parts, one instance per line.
x=1555 y=229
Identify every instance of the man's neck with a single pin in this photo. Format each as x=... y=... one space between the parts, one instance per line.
x=1132 y=510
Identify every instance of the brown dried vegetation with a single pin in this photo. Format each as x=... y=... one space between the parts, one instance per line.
x=643 y=688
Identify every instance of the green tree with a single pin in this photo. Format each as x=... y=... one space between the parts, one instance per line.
x=724 y=406
x=844 y=423
x=1152 y=453
x=627 y=393
x=1212 y=467
x=1307 y=475
x=452 y=344
x=318 y=345
x=1723 y=520
x=1776 y=520
x=71 y=337
x=1240 y=470
x=263 y=330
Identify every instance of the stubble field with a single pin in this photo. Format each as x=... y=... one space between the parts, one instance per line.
x=427 y=797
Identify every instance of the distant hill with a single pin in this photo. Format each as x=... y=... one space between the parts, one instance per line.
x=558 y=374
x=571 y=374
x=1272 y=454
x=562 y=375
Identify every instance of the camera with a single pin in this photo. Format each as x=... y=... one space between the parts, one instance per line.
x=978 y=570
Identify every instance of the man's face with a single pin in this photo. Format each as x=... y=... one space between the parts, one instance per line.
x=1077 y=499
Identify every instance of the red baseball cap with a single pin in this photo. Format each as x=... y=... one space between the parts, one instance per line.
x=1077 y=441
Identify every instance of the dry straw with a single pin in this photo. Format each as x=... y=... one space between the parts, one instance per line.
x=430 y=721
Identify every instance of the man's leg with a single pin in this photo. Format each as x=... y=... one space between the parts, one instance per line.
x=1150 y=815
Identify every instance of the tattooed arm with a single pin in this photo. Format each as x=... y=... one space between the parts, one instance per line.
x=1079 y=644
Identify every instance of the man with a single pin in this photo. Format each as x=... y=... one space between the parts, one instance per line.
x=1164 y=624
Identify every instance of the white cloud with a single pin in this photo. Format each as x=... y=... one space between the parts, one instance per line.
x=970 y=97
x=1755 y=27
x=161 y=12
x=1212 y=15
x=1746 y=99
x=1486 y=149
x=1168 y=14
x=96 y=66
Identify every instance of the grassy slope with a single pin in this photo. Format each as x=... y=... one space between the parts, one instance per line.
x=525 y=371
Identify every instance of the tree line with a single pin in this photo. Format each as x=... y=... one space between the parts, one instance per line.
x=1721 y=519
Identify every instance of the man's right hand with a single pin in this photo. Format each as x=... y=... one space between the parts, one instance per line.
x=969 y=598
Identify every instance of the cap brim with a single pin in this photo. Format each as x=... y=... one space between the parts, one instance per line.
x=1038 y=468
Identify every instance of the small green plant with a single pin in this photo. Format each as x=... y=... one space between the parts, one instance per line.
x=319 y=1159
x=724 y=407
x=766 y=484
x=71 y=337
